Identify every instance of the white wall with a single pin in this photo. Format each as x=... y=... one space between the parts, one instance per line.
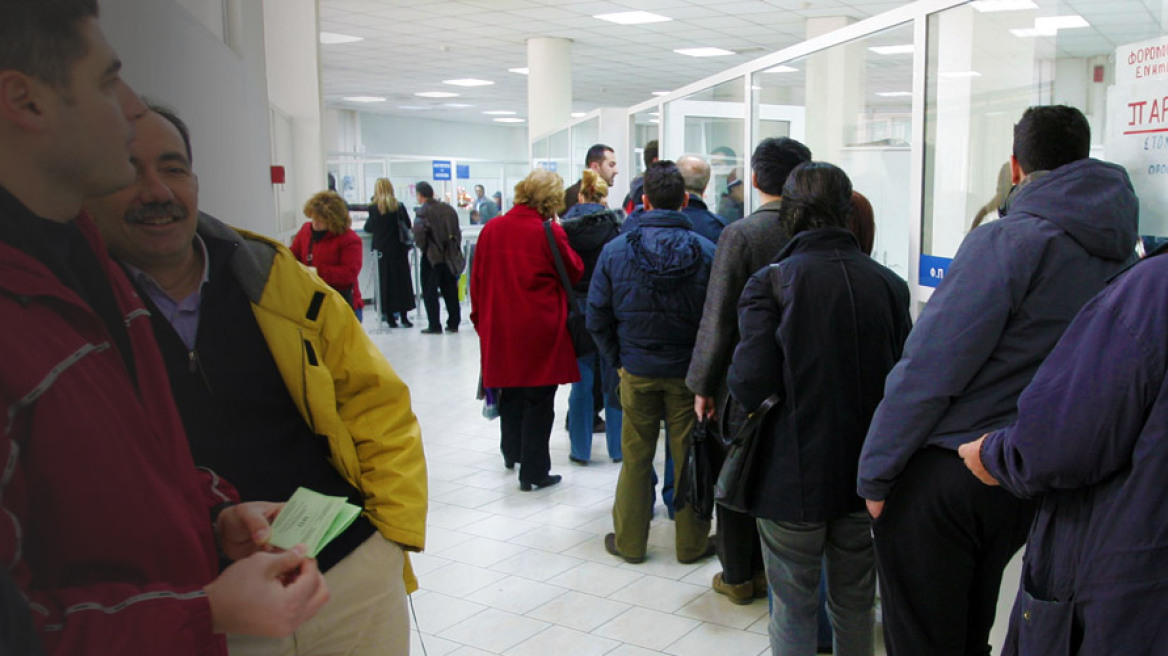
x=171 y=56
x=381 y=134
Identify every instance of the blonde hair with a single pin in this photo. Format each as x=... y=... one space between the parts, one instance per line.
x=542 y=191
x=383 y=196
x=593 y=187
x=329 y=207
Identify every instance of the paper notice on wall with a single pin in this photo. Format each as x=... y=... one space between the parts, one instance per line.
x=1137 y=127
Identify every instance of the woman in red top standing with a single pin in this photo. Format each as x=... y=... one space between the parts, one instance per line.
x=520 y=310
x=328 y=244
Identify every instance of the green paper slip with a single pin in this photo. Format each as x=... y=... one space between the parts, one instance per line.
x=313 y=519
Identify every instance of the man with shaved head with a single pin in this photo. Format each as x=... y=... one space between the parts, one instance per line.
x=696 y=173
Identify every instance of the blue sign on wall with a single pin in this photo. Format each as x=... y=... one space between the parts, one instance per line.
x=933 y=269
x=441 y=169
x=463 y=171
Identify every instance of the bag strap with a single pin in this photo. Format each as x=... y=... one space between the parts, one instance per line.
x=547 y=228
x=760 y=413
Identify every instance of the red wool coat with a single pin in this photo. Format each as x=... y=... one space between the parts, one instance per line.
x=518 y=305
x=337 y=259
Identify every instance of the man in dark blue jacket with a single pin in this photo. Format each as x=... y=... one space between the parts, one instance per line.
x=942 y=539
x=644 y=307
x=1089 y=442
x=696 y=173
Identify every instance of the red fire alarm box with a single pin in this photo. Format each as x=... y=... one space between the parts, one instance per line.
x=278 y=175
x=1098 y=73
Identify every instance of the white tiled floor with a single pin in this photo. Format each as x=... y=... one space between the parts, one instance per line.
x=526 y=573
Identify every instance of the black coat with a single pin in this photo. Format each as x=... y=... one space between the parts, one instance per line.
x=822 y=327
x=393 y=267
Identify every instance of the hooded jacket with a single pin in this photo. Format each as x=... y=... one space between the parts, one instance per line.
x=1090 y=443
x=646 y=297
x=705 y=222
x=1010 y=292
x=589 y=227
x=342 y=385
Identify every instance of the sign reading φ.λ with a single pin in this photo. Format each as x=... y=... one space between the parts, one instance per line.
x=933 y=270
x=441 y=169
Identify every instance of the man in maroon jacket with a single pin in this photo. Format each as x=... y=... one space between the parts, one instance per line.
x=106 y=526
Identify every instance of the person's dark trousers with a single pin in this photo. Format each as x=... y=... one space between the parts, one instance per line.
x=739 y=547
x=942 y=543
x=435 y=278
x=526 y=415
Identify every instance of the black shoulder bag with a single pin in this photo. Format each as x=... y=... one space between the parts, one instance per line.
x=581 y=339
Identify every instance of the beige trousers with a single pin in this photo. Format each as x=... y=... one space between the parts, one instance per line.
x=365 y=616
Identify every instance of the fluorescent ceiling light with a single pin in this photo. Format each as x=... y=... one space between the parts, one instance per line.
x=906 y=49
x=468 y=82
x=662 y=93
x=364 y=99
x=436 y=94
x=332 y=38
x=457 y=105
x=508 y=120
x=655 y=114
x=893 y=94
x=1069 y=22
x=412 y=107
x=579 y=114
x=654 y=120
x=961 y=74
x=704 y=52
x=632 y=18
x=988 y=6
x=781 y=68
x=521 y=71
x=500 y=112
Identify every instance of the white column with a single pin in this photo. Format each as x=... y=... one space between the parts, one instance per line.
x=549 y=84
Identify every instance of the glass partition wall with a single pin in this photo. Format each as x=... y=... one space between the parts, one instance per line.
x=918 y=104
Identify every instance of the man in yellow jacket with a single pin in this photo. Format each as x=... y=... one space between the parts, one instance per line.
x=278 y=387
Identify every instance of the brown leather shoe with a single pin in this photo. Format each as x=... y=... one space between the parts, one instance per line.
x=760 y=585
x=610 y=547
x=738 y=593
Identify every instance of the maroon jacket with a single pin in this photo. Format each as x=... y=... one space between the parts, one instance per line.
x=106 y=522
x=337 y=259
x=519 y=306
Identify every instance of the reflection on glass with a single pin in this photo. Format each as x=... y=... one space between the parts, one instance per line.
x=644 y=126
x=710 y=124
x=985 y=68
x=584 y=135
x=852 y=105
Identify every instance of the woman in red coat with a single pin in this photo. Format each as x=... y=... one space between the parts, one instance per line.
x=520 y=310
x=327 y=243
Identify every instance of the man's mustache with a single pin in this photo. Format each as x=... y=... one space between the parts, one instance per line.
x=154 y=211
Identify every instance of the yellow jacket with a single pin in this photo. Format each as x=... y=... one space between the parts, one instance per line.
x=343 y=386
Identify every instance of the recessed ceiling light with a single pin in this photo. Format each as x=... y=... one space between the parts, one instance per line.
x=457 y=105
x=782 y=68
x=632 y=18
x=412 y=107
x=654 y=113
x=468 y=82
x=332 y=38
x=755 y=88
x=579 y=114
x=893 y=94
x=961 y=74
x=704 y=52
x=509 y=120
x=906 y=49
x=987 y=6
x=654 y=120
x=521 y=71
x=1069 y=22
x=436 y=94
x=662 y=93
x=500 y=112
x=364 y=99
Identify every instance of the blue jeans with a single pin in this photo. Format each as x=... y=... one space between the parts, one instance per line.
x=580 y=410
x=793 y=554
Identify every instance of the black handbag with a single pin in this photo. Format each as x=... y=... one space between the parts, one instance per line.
x=737 y=469
x=581 y=338
x=695 y=488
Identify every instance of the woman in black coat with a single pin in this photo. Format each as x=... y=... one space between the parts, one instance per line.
x=393 y=239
